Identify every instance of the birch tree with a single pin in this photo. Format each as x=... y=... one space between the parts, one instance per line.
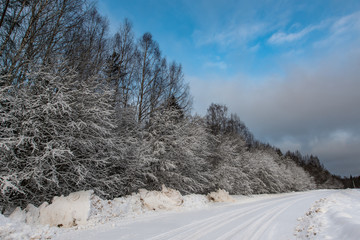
x=148 y=60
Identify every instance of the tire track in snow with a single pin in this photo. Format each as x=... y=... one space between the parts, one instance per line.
x=193 y=226
x=199 y=229
x=263 y=213
x=198 y=226
x=221 y=222
x=257 y=225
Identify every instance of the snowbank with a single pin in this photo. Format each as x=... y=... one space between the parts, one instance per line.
x=82 y=210
x=67 y=211
x=104 y=210
x=135 y=204
x=13 y=230
x=220 y=196
x=85 y=208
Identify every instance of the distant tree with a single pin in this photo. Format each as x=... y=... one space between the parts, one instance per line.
x=216 y=118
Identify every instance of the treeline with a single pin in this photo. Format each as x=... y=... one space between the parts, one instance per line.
x=351 y=182
x=311 y=164
x=74 y=101
x=80 y=109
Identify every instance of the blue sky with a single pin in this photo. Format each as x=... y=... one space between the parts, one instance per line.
x=289 y=69
x=227 y=37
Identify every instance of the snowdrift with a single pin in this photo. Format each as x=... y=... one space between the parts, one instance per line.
x=135 y=204
x=85 y=208
x=67 y=211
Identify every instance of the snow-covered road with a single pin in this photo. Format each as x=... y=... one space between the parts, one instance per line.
x=260 y=217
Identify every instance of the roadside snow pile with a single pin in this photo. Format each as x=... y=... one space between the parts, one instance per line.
x=336 y=217
x=67 y=211
x=11 y=230
x=79 y=208
x=83 y=210
x=104 y=210
x=43 y=222
x=220 y=196
x=135 y=204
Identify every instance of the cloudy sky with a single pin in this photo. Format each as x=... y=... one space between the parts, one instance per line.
x=289 y=69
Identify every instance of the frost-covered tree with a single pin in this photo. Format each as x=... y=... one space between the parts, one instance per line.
x=174 y=152
x=56 y=135
x=229 y=171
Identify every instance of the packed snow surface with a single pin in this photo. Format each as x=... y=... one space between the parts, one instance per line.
x=166 y=214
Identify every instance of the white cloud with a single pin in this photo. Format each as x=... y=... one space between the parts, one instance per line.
x=339 y=29
x=220 y=65
x=346 y=24
x=254 y=48
x=237 y=34
x=342 y=31
x=281 y=37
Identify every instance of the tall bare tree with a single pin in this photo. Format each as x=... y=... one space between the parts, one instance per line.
x=148 y=60
x=33 y=31
x=120 y=67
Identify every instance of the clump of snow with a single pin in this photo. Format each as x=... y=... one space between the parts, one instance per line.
x=67 y=211
x=220 y=196
x=166 y=199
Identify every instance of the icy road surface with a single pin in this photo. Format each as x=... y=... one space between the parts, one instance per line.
x=279 y=216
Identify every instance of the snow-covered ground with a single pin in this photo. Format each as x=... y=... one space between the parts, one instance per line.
x=321 y=214
x=336 y=216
